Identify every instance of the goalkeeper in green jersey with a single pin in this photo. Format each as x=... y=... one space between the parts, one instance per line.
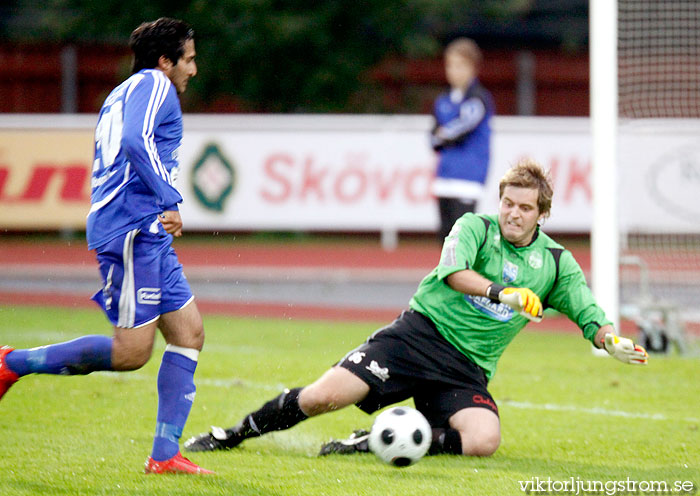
x=496 y=273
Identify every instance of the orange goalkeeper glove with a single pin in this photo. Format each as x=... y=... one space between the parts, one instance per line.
x=625 y=350
x=522 y=300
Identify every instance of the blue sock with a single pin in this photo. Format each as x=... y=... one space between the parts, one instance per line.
x=176 y=392
x=79 y=356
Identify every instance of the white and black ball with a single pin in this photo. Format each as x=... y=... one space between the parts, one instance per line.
x=400 y=436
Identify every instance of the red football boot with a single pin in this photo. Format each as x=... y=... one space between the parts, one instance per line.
x=7 y=377
x=176 y=465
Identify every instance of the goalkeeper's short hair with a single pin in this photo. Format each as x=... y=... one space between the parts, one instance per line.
x=528 y=173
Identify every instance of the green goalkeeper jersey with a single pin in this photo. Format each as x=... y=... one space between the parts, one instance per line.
x=476 y=325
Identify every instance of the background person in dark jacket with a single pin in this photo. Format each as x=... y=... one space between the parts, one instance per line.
x=461 y=135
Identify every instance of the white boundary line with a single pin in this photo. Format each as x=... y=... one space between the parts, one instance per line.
x=552 y=407
x=522 y=405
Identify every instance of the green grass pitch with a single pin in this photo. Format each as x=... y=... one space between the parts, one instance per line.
x=566 y=416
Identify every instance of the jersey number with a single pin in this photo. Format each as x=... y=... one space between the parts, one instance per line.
x=108 y=133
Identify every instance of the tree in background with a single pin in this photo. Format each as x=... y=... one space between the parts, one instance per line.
x=272 y=55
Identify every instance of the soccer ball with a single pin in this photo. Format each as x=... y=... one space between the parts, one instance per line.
x=400 y=436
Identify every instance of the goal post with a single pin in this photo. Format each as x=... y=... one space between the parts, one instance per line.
x=645 y=123
x=604 y=129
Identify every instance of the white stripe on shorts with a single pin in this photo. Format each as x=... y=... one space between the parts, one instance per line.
x=108 y=288
x=127 y=299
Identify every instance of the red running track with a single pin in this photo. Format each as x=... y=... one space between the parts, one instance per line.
x=333 y=255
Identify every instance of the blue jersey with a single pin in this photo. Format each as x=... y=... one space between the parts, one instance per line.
x=137 y=138
x=464 y=149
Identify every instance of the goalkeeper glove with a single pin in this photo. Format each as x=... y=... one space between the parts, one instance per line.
x=522 y=300
x=625 y=350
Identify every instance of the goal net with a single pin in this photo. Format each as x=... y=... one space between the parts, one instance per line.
x=658 y=156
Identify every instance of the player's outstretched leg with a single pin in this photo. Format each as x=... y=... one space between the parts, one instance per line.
x=79 y=356
x=278 y=414
x=335 y=389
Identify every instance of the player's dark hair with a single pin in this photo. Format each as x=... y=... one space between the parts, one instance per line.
x=529 y=174
x=162 y=37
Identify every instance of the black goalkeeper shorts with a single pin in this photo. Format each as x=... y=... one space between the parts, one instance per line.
x=410 y=358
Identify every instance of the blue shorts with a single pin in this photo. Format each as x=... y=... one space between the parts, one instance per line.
x=142 y=278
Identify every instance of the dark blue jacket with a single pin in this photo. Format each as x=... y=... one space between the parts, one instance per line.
x=464 y=152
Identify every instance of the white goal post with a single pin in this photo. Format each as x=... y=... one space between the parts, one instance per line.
x=645 y=90
x=604 y=129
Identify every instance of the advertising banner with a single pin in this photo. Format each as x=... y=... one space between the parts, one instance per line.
x=347 y=173
x=338 y=176
x=45 y=178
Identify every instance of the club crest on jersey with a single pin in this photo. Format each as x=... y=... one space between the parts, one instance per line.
x=510 y=272
x=535 y=260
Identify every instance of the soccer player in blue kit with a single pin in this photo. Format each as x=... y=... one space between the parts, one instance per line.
x=132 y=220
